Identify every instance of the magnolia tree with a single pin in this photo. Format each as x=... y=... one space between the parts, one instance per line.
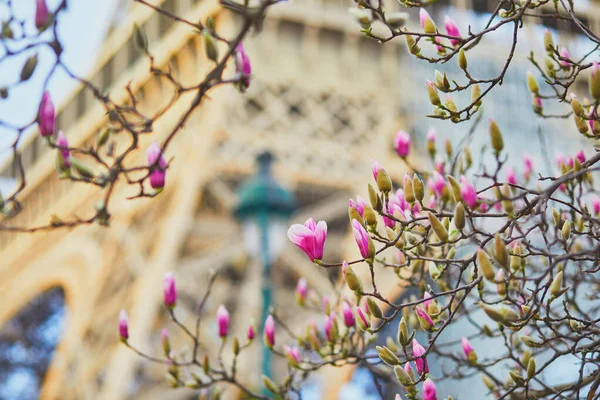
x=512 y=260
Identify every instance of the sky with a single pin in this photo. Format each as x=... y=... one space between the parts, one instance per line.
x=82 y=29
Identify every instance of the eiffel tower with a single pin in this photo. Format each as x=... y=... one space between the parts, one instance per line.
x=322 y=130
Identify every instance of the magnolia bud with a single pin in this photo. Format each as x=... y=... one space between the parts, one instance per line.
x=409 y=194
x=496 y=137
x=594 y=82
x=411 y=44
x=438 y=228
x=500 y=252
x=352 y=279
x=418 y=188
x=81 y=168
x=426 y=22
x=531 y=368
x=455 y=186
x=396 y=19
x=529 y=341
x=517 y=378
x=403 y=337
x=532 y=83
x=566 y=230
x=434 y=98
x=140 y=39
x=462 y=60
x=370 y=217
x=270 y=385
x=581 y=125
x=459 y=216
x=387 y=356
x=210 y=46
x=29 y=67
x=433 y=270
x=548 y=42
x=500 y=284
x=374 y=308
x=475 y=94
x=487 y=270
x=402 y=376
x=362 y=16
x=577 y=107
x=556 y=285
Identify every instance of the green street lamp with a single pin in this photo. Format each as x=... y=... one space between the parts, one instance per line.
x=263 y=209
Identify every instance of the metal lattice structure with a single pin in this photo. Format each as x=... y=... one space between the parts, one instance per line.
x=300 y=106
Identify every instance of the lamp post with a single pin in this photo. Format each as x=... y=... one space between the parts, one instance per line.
x=263 y=209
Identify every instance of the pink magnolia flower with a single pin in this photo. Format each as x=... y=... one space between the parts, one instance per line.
x=580 y=156
x=243 y=67
x=169 y=290
x=510 y=176
x=596 y=205
x=46 y=115
x=63 y=145
x=157 y=165
x=468 y=193
x=375 y=168
x=329 y=328
x=424 y=318
x=452 y=30
x=310 y=238
x=123 y=325
x=361 y=315
x=293 y=353
x=402 y=143
x=250 y=332
x=483 y=207
x=564 y=53
x=560 y=159
x=270 y=331
x=528 y=165
x=358 y=205
x=349 y=319
x=362 y=239
x=424 y=17
x=429 y=390
x=431 y=135
x=440 y=166
x=438 y=182
x=301 y=290
x=223 y=320
x=420 y=361
x=466 y=345
x=427 y=298
x=41 y=14
x=432 y=201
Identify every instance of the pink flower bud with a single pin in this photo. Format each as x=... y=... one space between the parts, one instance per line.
x=362 y=240
x=402 y=143
x=596 y=205
x=328 y=327
x=560 y=159
x=123 y=325
x=157 y=166
x=269 y=334
x=250 y=333
x=46 y=115
x=431 y=135
x=420 y=361
x=349 y=320
x=528 y=165
x=424 y=319
x=427 y=298
x=468 y=193
x=466 y=346
x=223 y=320
x=361 y=315
x=301 y=290
x=429 y=390
x=293 y=353
x=358 y=205
x=439 y=183
x=169 y=290
x=440 y=166
x=310 y=238
x=452 y=30
x=510 y=176
x=63 y=145
x=426 y=22
x=243 y=67
x=41 y=14
x=164 y=340
x=564 y=53
x=375 y=168
x=432 y=201
x=580 y=156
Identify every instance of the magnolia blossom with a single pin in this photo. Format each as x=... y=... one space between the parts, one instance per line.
x=564 y=53
x=452 y=30
x=466 y=345
x=361 y=315
x=46 y=115
x=424 y=319
x=358 y=205
x=123 y=325
x=293 y=353
x=429 y=390
x=431 y=135
x=310 y=238
x=269 y=334
x=63 y=145
x=362 y=239
x=427 y=300
x=169 y=290
x=349 y=320
x=301 y=290
x=596 y=205
x=510 y=176
x=250 y=332
x=243 y=67
x=560 y=160
x=528 y=165
x=424 y=18
x=420 y=361
x=375 y=168
x=402 y=143
x=468 y=193
x=438 y=183
x=223 y=320
x=41 y=14
x=157 y=165
x=580 y=156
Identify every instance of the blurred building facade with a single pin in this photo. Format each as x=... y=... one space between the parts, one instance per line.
x=324 y=99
